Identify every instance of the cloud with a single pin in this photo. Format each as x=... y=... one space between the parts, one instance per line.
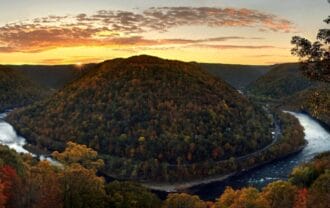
x=224 y=47
x=125 y=28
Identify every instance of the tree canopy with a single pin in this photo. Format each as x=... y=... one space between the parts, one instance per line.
x=314 y=56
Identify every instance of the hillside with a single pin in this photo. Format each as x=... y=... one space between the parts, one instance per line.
x=52 y=77
x=143 y=112
x=16 y=90
x=315 y=101
x=281 y=81
x=238 y=76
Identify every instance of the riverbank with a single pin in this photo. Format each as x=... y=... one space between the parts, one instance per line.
x=182 y=186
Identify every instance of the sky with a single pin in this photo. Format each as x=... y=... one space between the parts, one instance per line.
x=217 y=31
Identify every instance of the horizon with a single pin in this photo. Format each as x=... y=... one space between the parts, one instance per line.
x=74 y=32
x=170 y=59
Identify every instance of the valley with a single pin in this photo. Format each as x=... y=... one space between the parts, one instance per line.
x=239 y=169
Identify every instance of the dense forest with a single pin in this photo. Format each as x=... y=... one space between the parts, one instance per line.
x=16 y=90
x=282 y=81
x=148 y=109
x=26 y=182
x=314 y=101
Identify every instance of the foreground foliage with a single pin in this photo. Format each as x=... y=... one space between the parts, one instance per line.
x=40 y=184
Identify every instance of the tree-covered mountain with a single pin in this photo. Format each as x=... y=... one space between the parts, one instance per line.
x=16 y=90
x=281 y=81
x=149 y=110
x=238 y=76
x=52 y=77
x=315 y=101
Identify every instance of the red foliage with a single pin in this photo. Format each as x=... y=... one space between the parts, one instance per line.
x=3 y=198
x=301 y=198
x=8 y=177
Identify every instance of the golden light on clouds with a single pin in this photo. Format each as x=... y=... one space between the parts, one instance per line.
x=107 y=34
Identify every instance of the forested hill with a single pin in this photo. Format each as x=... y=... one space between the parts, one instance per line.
x=148 y=109
x=281 y=81
x=52 y=77
x=16 y=90
x=239 y=76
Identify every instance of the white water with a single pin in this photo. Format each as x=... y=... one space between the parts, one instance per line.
x=9 y=137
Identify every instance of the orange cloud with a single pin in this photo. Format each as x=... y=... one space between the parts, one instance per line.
x=123 y=28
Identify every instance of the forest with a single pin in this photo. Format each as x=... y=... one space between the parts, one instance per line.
x=16 y=90
x=147 y=112
x=73 y=182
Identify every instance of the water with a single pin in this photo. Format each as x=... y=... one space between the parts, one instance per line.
x=318 y=141
x=9 y=137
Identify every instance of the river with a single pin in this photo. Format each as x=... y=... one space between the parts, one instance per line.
x=318 y=141
x=9 y=137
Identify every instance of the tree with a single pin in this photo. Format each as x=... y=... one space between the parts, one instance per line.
x=10 y=183
x=315 y=57
x=301 y=199
x=80 y=185
x=130 y=195
x=45 y=189
x=244 y=198
x=79 y=154
x=3 y=197
x=303 y=176
x=82 y=188
x=319 y=194
x=280 y=194
x=183 y=200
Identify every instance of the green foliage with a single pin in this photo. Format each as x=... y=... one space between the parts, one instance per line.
x=305 y=175
x=130 y=195
x=144 y=113
x=11 y=158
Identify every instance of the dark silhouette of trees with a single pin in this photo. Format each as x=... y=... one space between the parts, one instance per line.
x=315 y=57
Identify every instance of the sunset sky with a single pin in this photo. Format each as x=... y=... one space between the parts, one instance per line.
x=218 y=31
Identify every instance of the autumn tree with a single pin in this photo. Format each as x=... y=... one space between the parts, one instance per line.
x=319 y=194
x=44 y=186
x=315 y=57
x=183 y=200
x=280 y=194
x=81 y=187
x=130 y=195
x=244 y=198
x=301 y=199
x=79 y=154
x=3 y=197
x=10 y=182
